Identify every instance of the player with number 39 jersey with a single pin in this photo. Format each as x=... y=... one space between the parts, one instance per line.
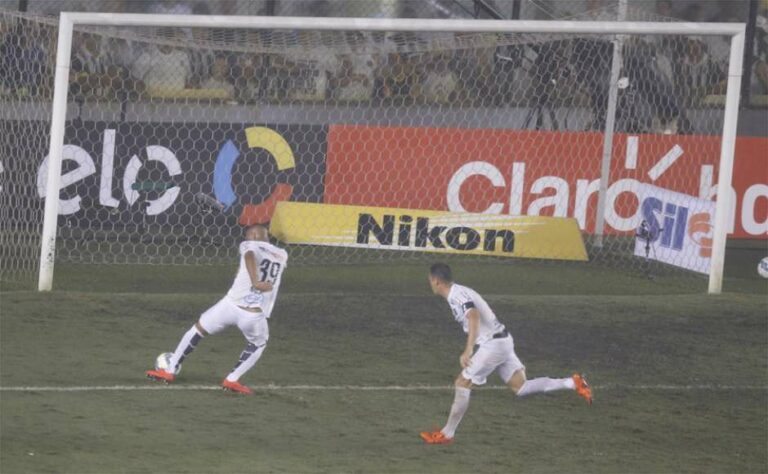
x=248 y=304
x=270 y=261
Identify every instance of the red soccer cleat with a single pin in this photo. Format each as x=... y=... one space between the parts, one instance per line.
x=582 y=387
x=161 y=376
x=236 y=387
x=435 y=437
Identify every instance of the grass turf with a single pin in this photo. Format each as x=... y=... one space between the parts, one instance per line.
x=377 y=326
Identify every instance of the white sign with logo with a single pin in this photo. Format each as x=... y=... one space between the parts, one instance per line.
x=676 y=228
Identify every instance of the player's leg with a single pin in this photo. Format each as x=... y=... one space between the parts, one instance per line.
x=538 y=385
x=512 y=372
x=212 y=321
x=522 y=387
x=483 y=362
x=256 y=331
x=462 y=391
x=186 y=345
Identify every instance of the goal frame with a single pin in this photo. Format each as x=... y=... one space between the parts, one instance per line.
x=736 y=32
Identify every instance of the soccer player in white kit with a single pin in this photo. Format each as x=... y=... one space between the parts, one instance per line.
x=495 y=350
x=247 y=305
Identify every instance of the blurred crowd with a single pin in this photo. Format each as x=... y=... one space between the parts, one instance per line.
x=112 y=68
x=669 y=74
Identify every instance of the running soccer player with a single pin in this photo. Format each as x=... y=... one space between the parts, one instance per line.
x=247 y=305
x=495 y=350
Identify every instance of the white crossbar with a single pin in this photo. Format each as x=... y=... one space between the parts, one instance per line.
x=409 y=24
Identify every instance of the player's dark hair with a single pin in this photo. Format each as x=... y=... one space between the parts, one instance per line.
x=441 y=271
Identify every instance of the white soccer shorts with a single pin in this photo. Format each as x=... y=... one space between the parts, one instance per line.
x=225 y=313
x=491 y=355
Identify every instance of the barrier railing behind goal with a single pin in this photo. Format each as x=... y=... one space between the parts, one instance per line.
x=175 y=131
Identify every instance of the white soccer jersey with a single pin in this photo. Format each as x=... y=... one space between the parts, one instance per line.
x=462 y=299
x=271 y=262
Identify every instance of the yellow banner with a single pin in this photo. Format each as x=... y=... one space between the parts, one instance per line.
x=428 y=231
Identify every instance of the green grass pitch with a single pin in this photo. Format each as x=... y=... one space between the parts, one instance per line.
x=681 y=378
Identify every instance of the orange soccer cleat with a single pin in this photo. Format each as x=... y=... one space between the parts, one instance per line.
x=236 y=387
x=582 y=388
x=161 y=376
x=435 y=437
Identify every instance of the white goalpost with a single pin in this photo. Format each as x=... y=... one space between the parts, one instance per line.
x=69 y=21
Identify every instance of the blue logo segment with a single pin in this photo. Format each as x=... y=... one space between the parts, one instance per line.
x=222 y=174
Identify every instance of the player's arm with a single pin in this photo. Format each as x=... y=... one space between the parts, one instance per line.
x=473 y=322
x=253 y=272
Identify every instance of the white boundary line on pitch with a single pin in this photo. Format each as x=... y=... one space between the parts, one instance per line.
x=356 y=294
x=356 y=388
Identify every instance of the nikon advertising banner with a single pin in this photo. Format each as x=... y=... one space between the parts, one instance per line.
x=428 y=231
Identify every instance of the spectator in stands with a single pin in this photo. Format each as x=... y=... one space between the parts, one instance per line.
x=597 y=10
x=698 y=75
x=6 y=79
x=664 y=8
x=355 y=79
x=649 y=102
x=201 y=56
x=282 y=68
x=693 y=12
x=91 y=74
x=24 y=60
x=164 y=69
x=474 y=67
x=250 y=78
x=440 y=85
x=170 y=8
x=177 y=7
x=759 y=79
x=399 y=82
x=122 y=52
x=277 y=77
x=250 y=70
x=219 y=78
x=300 y=74
x=119 y=55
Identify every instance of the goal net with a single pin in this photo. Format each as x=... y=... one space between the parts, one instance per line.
x=175 y=138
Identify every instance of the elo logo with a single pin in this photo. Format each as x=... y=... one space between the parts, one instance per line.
x=272 y=142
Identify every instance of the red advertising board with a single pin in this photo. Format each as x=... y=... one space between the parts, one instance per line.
x=536 y=172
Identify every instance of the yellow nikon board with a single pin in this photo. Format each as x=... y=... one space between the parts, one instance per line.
x=428 y=231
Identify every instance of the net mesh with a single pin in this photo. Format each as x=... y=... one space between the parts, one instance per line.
x=24 y=85
x=168 y=153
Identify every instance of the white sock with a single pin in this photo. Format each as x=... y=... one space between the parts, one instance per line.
x=248 y=359
x=459 y=407
x=544 y=385
x=187 y=344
